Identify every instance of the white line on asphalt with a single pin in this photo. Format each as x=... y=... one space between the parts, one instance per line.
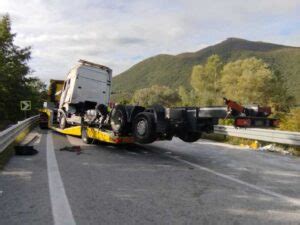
x=61 y=210
x=257 y=188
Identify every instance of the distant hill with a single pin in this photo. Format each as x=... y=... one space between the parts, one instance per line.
x=175 y=70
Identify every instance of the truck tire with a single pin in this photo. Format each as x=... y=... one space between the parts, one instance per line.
x=84 y=136
x=189 y=136
x=62 y=121
x=43 y=121
x=118 y=119
x=43 y=126
x=143 y=128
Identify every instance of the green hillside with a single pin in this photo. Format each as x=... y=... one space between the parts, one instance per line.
x=175 y=70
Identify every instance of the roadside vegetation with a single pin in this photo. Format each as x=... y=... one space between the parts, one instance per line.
x=291 y=120
x=156 y=95
x=16 y=80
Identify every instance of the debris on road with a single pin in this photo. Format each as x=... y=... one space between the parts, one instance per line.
x=26 y=149
x=274 y=148
x=75 y=148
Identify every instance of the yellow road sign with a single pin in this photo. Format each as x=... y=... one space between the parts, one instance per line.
x=25 y=105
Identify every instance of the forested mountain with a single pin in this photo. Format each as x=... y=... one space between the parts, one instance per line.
x=175 y=70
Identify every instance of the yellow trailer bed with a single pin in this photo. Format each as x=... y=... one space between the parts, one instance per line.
x=92 y=132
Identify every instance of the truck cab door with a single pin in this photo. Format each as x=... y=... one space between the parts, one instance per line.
x=64 y=93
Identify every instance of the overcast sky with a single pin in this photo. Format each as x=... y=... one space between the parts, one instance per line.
x=121 y=33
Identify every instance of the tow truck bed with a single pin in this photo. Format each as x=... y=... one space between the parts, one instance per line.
x=92 y=132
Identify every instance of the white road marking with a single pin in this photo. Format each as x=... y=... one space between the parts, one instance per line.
x=25 y=175
x=293 y=201
x=61 y=210
x=17 y=173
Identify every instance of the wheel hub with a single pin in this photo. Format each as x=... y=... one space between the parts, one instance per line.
x=141 y=127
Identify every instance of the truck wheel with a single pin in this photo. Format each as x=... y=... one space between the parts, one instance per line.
x=143 y=128
x=62 y=121
x=43 y=121
x=189 y=136
x=84 y=136
x=43 y=126
x=118 y=119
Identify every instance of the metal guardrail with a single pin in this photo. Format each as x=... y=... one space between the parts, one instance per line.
x=9 y=135
x=274 y=136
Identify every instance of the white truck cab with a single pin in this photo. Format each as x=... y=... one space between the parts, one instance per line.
x=87 y=85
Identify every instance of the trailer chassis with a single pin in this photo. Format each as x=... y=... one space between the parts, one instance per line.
x=128 y=124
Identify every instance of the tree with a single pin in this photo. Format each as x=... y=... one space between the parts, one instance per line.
x=36 y=91
x=280 y=100
x=252 y=81
x=205 y=80
x=15 y=85
x=187 y=97
x=155 y=95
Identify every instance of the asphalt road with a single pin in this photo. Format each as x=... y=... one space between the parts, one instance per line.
x=162 y=183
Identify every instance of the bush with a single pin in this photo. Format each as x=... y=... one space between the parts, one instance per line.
x=291 y=121
x=226 y=122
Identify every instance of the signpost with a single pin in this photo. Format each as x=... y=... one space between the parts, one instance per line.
x=25 y=106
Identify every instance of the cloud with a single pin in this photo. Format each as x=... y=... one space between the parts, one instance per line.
x=121 y=33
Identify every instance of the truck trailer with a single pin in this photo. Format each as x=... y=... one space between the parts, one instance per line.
x=84 y=110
